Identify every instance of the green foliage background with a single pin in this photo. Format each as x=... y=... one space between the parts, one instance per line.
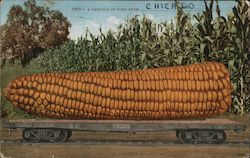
x=29 y=30
x=142 y=43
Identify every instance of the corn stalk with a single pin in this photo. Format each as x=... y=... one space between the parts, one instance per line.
x=239 y=39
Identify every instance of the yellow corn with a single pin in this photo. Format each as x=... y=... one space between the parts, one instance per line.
x=192 y=91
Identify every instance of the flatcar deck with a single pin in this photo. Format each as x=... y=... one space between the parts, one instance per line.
x=126 y=125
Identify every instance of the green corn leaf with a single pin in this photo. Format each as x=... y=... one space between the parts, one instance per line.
x=231 y=65
x=202 y=47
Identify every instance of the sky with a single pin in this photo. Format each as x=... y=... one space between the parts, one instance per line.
x=108 y=15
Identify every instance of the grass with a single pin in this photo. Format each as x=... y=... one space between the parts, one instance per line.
x=8 y=73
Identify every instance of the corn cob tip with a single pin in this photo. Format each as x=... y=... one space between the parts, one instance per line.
x=6 y=90
x=11 y=90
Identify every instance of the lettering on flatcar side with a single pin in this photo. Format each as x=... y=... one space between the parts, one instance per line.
x=121 y=126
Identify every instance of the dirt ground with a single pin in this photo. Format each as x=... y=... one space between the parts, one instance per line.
x=75 y=150
x=105 y=151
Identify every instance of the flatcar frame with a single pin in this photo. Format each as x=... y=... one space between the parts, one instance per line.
x=187 y=131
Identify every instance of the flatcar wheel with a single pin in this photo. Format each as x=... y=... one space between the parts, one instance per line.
x=216 y=137
x=30 y=136
x=177 y=133
x=182 y=136
x=201 y=136
x=63 y=136
x=69 y=134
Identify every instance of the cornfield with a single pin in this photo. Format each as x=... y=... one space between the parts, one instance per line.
x=142 y=43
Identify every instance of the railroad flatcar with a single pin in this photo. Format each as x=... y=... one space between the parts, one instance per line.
x=138 y=98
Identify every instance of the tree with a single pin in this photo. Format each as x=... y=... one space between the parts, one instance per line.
x=31 y=29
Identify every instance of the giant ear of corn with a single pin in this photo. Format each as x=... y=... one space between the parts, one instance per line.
x=192 y=91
